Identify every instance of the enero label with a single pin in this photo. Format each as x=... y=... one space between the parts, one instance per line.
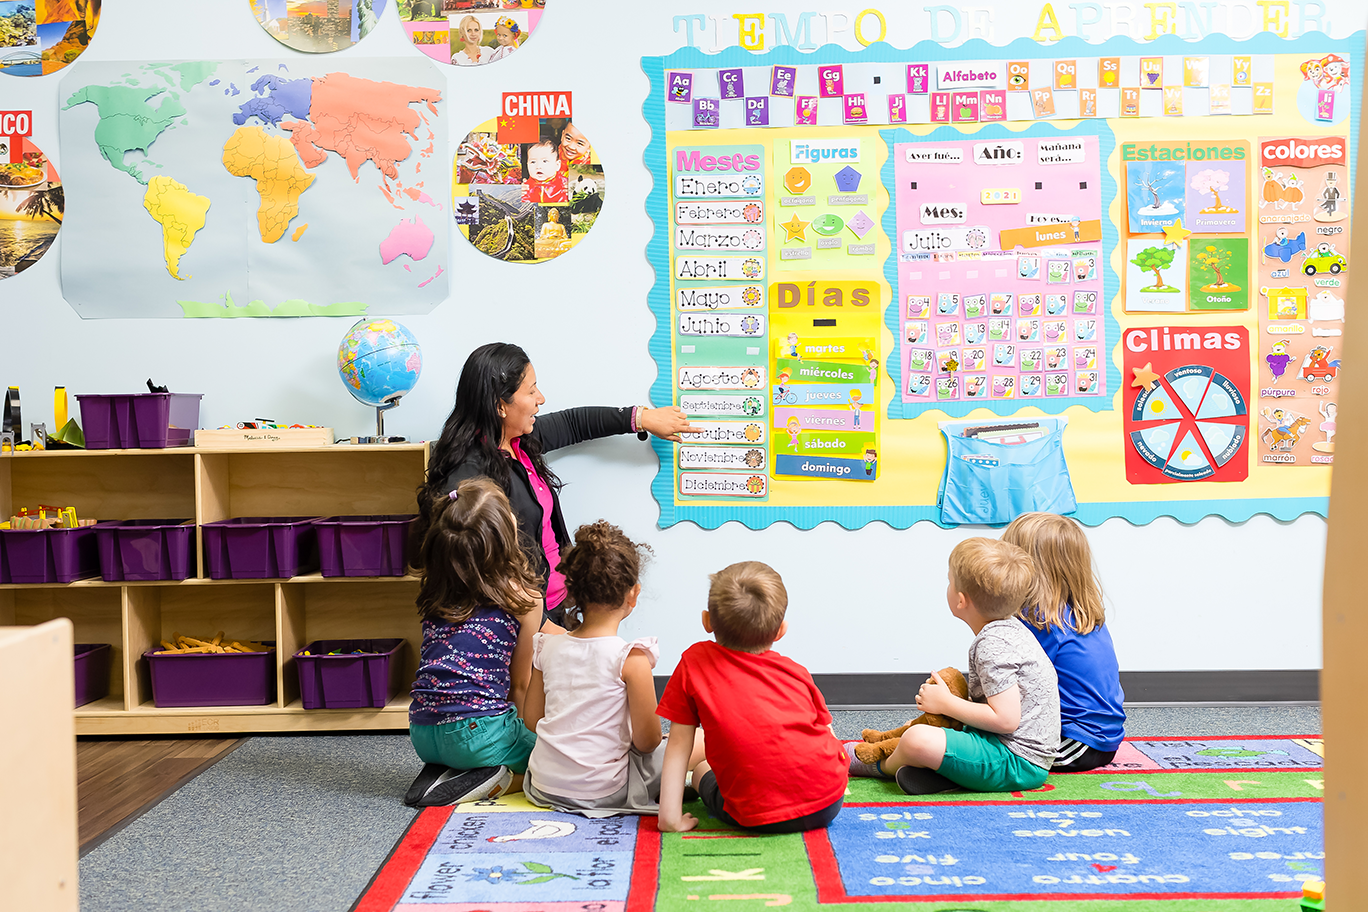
x=819 y=151
x=1302 y=153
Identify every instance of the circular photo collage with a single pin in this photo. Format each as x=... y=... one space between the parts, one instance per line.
x=469 y=32
x=42 y=36
x=318 y=26
x=31 y=204
x=526 y=202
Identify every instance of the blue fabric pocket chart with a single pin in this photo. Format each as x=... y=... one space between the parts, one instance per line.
x=997 y=470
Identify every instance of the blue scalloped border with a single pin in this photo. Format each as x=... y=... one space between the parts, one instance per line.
x=1111 y=282
x=759 y=516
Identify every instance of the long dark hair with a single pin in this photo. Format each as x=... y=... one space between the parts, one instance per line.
x=491 y=375
x=472 y=557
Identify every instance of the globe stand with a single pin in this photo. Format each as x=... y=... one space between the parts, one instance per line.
x=380 y=426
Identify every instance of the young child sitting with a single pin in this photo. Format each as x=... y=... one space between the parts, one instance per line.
x=592 y=699
x=480 y=607
x=1067 y=619
x=1011 y=720
x=773 y=765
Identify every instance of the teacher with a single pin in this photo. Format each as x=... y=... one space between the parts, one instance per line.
x=494 y=430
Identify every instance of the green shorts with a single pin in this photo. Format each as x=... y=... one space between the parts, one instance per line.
x=464 y=744
x=981 y=762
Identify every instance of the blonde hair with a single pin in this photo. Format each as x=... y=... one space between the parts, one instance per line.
x=1065 y=571
x=997 y=576
x=746 y=605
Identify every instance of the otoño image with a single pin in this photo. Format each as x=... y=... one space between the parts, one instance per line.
x=527 y=186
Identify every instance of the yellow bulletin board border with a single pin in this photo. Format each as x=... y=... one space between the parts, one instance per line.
x=1094 y=447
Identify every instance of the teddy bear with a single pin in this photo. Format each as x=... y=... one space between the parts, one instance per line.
x=878 y=745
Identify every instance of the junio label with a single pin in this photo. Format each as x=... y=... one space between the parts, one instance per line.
x=721 y=324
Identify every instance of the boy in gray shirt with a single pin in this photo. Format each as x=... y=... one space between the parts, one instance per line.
x=1011 y=719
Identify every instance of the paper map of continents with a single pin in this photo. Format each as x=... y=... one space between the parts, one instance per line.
x=254 y=188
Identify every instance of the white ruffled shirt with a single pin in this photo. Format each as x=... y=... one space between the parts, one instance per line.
x=586 y=731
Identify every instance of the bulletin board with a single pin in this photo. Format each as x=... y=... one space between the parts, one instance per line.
x=1122 y=262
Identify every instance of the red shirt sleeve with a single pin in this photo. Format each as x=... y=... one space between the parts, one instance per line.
x=676 y=704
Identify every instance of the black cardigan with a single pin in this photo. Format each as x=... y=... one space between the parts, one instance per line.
x=554 y=430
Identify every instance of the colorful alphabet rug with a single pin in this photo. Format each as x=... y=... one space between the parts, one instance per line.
x=1219 y=824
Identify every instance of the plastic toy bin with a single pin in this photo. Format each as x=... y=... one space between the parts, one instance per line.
x=146 y=420
x=363 y=545
x=92 y=672
x=212 y=678
x=370 y=678
x=260 y=547
x=48 y=555
x=146 y=549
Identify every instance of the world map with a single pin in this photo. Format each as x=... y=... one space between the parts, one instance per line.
x=253 y=188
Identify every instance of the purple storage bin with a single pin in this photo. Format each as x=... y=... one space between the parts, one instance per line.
x=92 y=672
x=363 y=545
x=372 y=678
x=146 y=420
x=48 y=555
x=212 y=678
x=146 y=549
x=260 y=547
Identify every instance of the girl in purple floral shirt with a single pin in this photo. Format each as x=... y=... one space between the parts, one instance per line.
x=480 y=602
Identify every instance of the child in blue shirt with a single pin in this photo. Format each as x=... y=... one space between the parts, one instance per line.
x=1067 y=618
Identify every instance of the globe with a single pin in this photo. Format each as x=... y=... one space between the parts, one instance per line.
x=380 y=361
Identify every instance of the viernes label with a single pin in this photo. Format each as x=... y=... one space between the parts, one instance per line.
x=824 y=419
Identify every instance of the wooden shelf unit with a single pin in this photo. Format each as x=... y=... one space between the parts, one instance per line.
x=207 y=485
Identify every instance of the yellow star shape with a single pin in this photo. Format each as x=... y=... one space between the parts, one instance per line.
x=1145 y=376
x=1176 y=233
x=795 y=228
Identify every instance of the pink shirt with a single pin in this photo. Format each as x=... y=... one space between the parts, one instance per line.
x=555 y=583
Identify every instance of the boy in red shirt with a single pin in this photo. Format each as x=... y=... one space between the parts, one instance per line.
x=763 y=718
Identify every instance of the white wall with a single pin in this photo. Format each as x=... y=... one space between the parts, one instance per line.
x=1208 y=596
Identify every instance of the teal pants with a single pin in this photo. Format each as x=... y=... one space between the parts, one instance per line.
x=463 y=744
